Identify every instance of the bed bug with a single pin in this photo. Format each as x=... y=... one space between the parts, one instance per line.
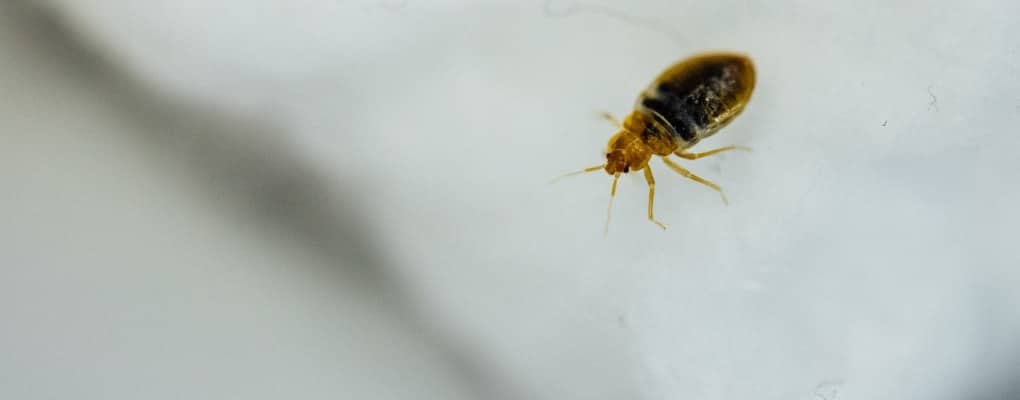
x=688 y=102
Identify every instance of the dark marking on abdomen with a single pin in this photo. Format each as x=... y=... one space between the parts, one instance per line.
x=664 y=105
x=692 y=103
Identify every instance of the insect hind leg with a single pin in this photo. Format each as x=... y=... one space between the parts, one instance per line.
x=689 y=175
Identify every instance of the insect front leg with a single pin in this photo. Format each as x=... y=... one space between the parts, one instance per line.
x=651 y=196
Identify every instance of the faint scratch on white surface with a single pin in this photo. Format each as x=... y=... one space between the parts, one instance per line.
x=566 y=8
x=884 y=123
x=828 y=390
x=932 y=104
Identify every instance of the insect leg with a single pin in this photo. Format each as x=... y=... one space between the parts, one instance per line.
x=651 y=196
x=687 y=174
x=612 y=195
x=609 y=117
x=695 y=156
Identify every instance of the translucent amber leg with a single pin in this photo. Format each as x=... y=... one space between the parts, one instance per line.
x=695 y=156
x=687 y=174
x=651 y=196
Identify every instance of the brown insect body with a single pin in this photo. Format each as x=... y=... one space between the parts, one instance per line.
x=688 y=102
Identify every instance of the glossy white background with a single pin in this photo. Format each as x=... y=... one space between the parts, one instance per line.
x=349 y=199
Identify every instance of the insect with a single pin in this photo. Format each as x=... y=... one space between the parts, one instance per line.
x=688 y=102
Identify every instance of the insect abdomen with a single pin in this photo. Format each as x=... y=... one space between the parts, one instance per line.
x=700 y=95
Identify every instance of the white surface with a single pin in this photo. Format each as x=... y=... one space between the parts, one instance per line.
x=866 y=254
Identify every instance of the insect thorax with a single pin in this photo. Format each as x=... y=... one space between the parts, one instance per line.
x=654 y=131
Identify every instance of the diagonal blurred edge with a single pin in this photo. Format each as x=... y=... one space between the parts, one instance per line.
x=265 y=179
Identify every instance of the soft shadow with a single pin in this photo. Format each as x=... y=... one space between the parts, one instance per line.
x=264 y=178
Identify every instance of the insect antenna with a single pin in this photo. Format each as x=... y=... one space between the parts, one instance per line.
x=612 y=195
x=575 y=173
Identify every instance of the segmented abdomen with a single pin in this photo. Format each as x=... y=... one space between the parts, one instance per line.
x=699 y=96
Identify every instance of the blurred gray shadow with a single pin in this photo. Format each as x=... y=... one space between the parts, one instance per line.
x=264 y=178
